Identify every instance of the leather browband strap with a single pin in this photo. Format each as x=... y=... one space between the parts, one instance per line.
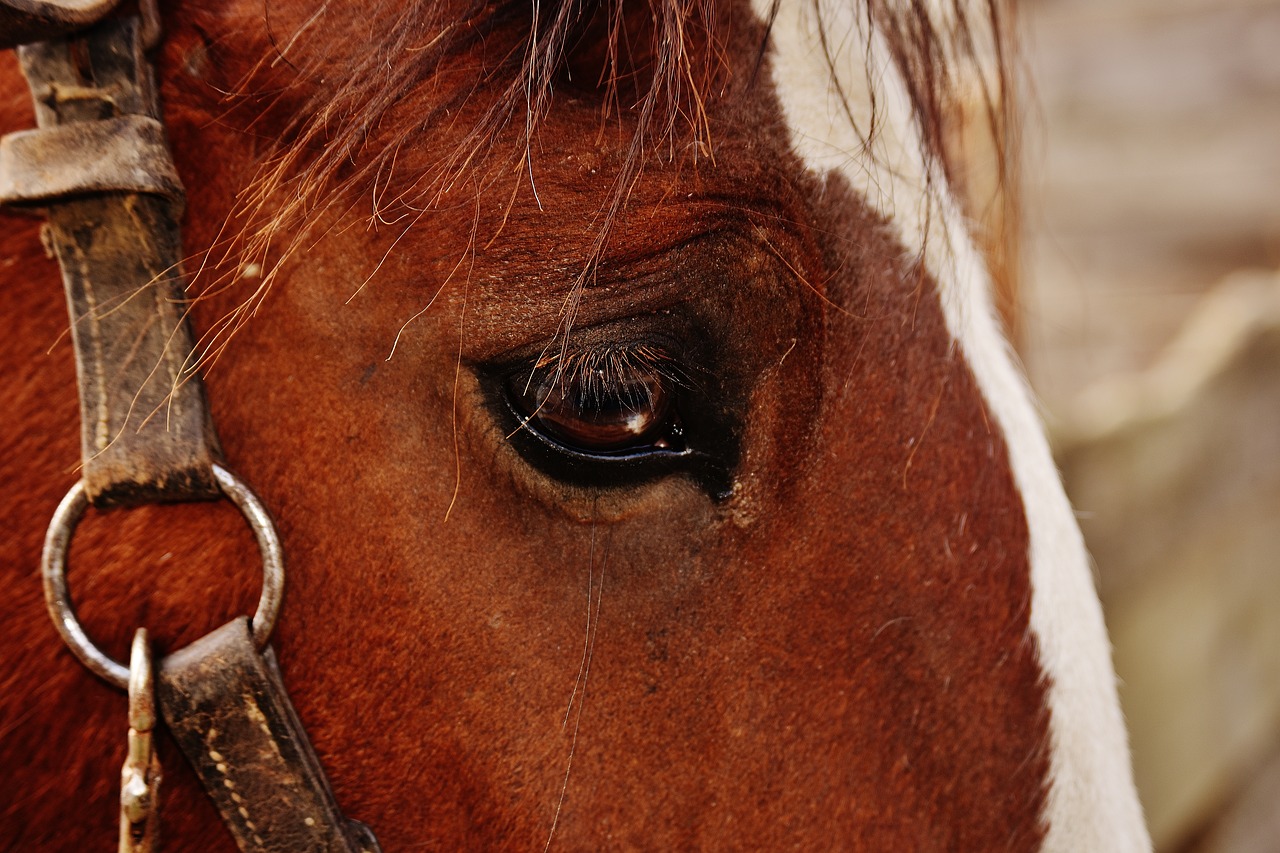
x=100 y=166
x=226 y=706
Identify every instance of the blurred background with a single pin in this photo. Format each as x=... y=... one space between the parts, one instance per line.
x=1150 y=326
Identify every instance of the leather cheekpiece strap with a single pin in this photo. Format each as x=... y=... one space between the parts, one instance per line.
x=146 y=433
x=227 y=708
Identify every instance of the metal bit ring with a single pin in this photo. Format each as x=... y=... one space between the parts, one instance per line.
x=53 y=565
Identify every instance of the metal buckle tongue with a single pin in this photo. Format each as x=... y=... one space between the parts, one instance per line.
x=140 y=776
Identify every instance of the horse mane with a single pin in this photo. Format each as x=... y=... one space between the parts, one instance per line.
x=655 y=65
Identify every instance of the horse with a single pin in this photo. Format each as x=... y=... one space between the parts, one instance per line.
x=624 y=382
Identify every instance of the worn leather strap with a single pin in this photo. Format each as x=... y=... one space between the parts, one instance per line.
x=226 y=706
x=146 y=434
x=129 y=154
x=23 y=21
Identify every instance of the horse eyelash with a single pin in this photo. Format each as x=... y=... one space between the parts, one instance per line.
x=601 y=368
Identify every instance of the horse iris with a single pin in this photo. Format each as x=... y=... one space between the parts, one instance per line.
x=607 y=402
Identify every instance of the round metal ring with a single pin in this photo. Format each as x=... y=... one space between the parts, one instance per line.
x=53 y=566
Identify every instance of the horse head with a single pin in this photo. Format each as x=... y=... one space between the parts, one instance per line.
x=650 y=465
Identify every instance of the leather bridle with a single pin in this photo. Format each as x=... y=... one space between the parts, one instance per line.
x=99 y=167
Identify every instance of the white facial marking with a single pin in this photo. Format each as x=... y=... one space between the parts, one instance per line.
x=1092 y=804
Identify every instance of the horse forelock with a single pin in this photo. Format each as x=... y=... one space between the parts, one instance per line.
x=485 y=75
x=477 y=79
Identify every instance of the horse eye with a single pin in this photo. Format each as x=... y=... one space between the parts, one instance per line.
x=616 y=415
x=608 y=403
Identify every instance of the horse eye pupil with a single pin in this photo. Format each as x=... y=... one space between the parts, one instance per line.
x=628 y=408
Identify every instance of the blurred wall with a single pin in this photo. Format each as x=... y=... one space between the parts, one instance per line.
x=1151 y=330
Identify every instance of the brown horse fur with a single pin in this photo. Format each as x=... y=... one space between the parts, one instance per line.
x=835 y=656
